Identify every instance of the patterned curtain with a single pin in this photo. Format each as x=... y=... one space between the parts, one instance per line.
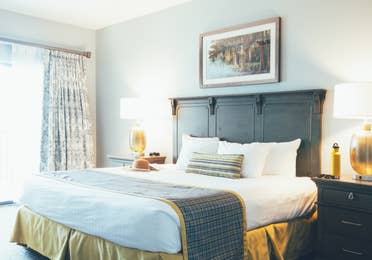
x=67 y=141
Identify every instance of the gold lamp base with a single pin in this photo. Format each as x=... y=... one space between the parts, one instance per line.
x=361 y=152
x=137 y=141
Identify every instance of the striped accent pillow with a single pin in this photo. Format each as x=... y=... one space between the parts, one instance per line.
x=220 y=165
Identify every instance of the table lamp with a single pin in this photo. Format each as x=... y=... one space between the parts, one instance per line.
x=353 y=101
x=133 y=108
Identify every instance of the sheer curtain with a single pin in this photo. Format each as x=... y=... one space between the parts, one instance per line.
x=21 y=88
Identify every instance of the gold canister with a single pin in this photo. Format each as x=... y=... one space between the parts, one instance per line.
x=335 y=160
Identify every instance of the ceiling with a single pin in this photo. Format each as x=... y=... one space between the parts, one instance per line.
x=91 y=14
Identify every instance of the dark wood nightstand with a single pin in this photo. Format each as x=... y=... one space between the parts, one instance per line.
x=344 y=218
x=117 y=161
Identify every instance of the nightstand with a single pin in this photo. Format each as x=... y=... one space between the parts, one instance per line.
x=117 y=161
x=344 y=218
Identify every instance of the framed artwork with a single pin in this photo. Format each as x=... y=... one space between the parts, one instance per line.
x=240 y=55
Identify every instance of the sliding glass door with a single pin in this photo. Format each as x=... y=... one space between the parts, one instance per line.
x=21 y=88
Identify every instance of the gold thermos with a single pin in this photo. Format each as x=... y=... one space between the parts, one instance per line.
x=335 y=160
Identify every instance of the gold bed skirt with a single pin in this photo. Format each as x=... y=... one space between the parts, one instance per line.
x=287 y=240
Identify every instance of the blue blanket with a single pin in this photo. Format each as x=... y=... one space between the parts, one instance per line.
x=212 y=221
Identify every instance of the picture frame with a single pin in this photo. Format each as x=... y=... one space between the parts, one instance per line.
x=245 y=54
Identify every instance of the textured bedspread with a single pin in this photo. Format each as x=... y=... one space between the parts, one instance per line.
x=212 y=221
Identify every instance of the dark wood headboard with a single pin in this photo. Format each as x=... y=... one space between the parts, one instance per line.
x=266 y=117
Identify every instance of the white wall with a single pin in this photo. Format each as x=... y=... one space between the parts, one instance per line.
x=323 y=43
x=27 y=28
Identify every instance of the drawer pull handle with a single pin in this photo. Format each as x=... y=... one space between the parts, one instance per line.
x=350 y=196
x=351 y=223
x=352 y=252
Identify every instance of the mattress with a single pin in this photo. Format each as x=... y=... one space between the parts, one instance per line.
x=152 y=225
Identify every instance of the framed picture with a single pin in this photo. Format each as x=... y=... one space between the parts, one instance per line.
x=240 y=55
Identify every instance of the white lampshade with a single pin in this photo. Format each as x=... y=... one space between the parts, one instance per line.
x=131 y=108
x=353 y=100
x=144 y=108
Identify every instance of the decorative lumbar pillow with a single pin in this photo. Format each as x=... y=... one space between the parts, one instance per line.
x=281 y=159
x=195 y=144
x=220 y=165
x=254 y=156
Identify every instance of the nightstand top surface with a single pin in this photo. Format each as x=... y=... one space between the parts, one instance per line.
x=344 y=180
x=130 y=157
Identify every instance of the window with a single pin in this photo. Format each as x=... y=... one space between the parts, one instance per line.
x=21 y=88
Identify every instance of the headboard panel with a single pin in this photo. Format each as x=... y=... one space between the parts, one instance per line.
x=266 y=117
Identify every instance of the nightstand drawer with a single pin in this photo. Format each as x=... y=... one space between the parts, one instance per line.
x=347 y=222
x=344 y=248
x=348 y=199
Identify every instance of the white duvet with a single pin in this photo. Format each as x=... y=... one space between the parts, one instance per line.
x=152 y=225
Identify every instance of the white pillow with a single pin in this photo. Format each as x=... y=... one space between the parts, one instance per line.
x=281 y=159
x=195 y=144
x=254 y=156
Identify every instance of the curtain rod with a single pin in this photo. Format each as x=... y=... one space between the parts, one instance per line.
x=38 y=45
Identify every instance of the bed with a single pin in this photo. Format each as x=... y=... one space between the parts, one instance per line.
x=63 y=220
